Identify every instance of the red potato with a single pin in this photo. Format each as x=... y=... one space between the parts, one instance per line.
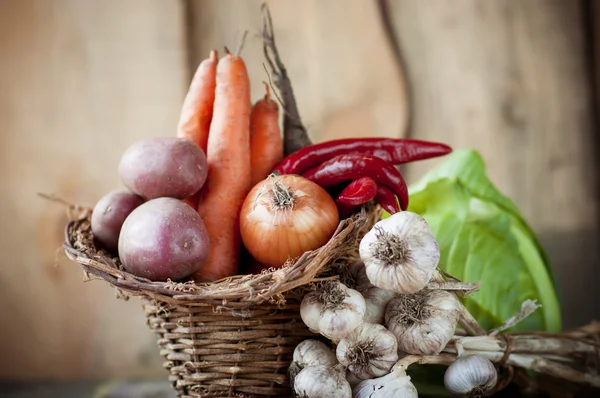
x=109 y=214
x=163 y=167
x=163 y=239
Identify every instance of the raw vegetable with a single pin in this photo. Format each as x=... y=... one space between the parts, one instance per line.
x=355 y=277
x=266 y=145
x=322 y=381
x=387 y=199
x=358 y=192
x=423 y=322
x=310 y=353
x=334 y=310
x=471 y=375
x=228 y=179
x=313 y=352
x=163 y=167
x=355 y=194
x=163 y=239
x=396 y=384
x=351 y=167
x=284 y=216
x=369 y=351
x=295 y=136
x=109 y=214
x=396 y=151
x=400 y=253
x=483 y=237
x=197 y=109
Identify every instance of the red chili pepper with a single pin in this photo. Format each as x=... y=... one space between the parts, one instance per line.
x=357 y=193
x=353 y=166
x=393 y=150
x=387 y=200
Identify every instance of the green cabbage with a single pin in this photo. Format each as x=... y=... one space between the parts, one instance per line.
x=483 y=237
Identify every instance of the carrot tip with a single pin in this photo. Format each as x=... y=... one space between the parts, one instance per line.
x=214 y=55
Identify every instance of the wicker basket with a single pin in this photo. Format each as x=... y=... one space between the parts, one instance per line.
x=231 y=338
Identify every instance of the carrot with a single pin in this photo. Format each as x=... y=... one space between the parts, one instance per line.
x=228 y=180
x=197 y=109
x=266 y=144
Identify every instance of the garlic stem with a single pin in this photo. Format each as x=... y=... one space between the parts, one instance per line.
x=466 y=320
x=542 y=365
x=525 y=344
x=466 y=287
x=527 y=308
x=530 y=362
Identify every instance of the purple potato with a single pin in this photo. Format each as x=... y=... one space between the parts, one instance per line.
x=163 y=239
x=163 y=167
x=109 y=214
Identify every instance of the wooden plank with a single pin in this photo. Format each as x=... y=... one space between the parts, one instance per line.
x=337 y=55
x=79 y=82
x=510 y=79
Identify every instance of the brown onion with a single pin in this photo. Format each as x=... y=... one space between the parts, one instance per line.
x=285 y=216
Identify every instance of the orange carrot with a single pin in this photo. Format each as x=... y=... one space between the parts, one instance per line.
x=197 y=109
x=266 y=144
x=228 y=180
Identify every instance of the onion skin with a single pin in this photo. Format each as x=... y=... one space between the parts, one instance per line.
x=272 y=234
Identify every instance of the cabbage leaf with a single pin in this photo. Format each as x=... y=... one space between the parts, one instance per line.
x=483 y=237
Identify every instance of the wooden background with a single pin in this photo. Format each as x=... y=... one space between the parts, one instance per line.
x=80 y=80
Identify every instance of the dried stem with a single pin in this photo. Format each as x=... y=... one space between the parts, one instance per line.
x=466 y=320
x=527 y=308
x=466 y=288
x=530 y=362
x=524 y=344
x=295 y=136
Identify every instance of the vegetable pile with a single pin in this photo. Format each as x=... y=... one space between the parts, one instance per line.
x=381 y=308
x=222 y=187
x=231 y=193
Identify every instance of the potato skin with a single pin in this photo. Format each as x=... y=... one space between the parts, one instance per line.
x=163 y=239
x=163 y=167
x=109 y=214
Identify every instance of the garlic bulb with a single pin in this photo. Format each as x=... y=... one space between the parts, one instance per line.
x=471 y=375
x=313 y=352
x=293 y=371
x=333 y=310
x=400 y=253
x=322 y=381
x=309 y=353
x=423 y=322
x=369 y=351
x=396 y=384
x=355 y=276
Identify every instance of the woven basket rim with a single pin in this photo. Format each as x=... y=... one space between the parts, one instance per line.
x=239 y=291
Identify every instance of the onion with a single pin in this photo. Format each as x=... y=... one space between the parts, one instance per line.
x=284 y=216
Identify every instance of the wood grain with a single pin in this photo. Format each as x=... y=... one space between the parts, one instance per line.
x=79 y=82
x=339 y=60
x=510 y=79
